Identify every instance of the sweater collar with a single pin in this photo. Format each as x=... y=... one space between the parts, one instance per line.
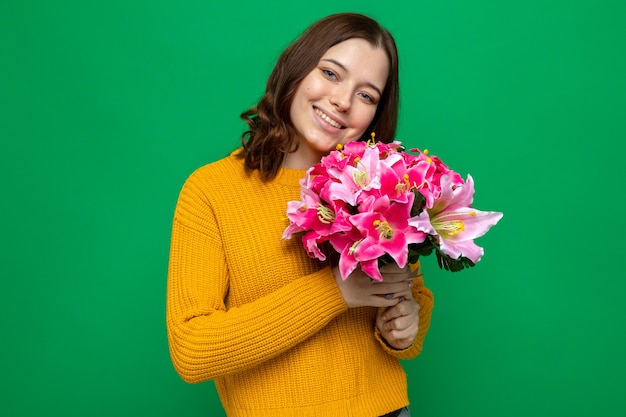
x=285 y=176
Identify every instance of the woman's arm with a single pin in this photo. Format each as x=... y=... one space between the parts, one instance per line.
x=206 y=340
x=210 y=336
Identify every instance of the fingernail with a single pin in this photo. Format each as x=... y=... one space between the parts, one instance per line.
x=389 y=296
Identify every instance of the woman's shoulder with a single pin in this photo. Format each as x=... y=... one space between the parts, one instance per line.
x=211 y=184
x=222 y=170
x=208 y=188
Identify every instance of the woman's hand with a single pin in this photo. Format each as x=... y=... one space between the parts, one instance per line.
x=360 y=290
x=398 y=325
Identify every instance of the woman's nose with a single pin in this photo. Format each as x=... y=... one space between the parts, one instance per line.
x=341 y=99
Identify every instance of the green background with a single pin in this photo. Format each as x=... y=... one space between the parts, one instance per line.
x=106 y=108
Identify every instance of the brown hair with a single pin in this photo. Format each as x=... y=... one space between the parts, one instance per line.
x=272 y=136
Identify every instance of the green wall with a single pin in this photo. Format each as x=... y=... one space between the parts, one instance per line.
x=106 y=107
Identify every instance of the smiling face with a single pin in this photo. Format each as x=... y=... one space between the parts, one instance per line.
x=337 y=100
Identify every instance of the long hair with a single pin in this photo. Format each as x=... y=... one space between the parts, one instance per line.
x=271 y=135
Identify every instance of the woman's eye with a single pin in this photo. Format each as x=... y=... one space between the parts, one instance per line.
x=329 y=74
x=367 y=97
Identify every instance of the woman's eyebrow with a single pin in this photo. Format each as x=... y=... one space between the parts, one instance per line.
x=343 y=67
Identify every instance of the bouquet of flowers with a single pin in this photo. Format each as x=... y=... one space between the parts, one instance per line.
x=375 y=203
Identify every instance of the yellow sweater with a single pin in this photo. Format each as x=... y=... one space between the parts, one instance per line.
x=261 y=318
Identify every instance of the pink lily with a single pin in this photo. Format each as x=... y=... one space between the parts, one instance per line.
x=384 y=229
x=425 y=174
x=455 y=222
x=362 y=175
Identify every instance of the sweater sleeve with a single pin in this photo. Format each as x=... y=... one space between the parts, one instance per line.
x=425 y=299
x=206 y=339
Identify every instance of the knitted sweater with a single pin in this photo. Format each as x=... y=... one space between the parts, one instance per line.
x=266 y=322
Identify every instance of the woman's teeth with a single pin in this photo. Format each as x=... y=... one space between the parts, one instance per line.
x=327 y=119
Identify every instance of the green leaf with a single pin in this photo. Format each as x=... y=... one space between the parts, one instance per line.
x=453 y=265
x=418 y=203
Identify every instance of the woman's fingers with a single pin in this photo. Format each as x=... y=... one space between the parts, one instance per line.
x=360 y=290
x=399 y=324
x=386 y=287
x=402 y=314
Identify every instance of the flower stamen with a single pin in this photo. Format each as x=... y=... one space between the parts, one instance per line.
x=449 y=227
x=325 y=214
x=372 y=140
x=361 y=179
x=403 y=187
x=353 y=247
x=384 y=228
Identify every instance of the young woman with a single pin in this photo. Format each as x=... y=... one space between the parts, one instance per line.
x=280 y=333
